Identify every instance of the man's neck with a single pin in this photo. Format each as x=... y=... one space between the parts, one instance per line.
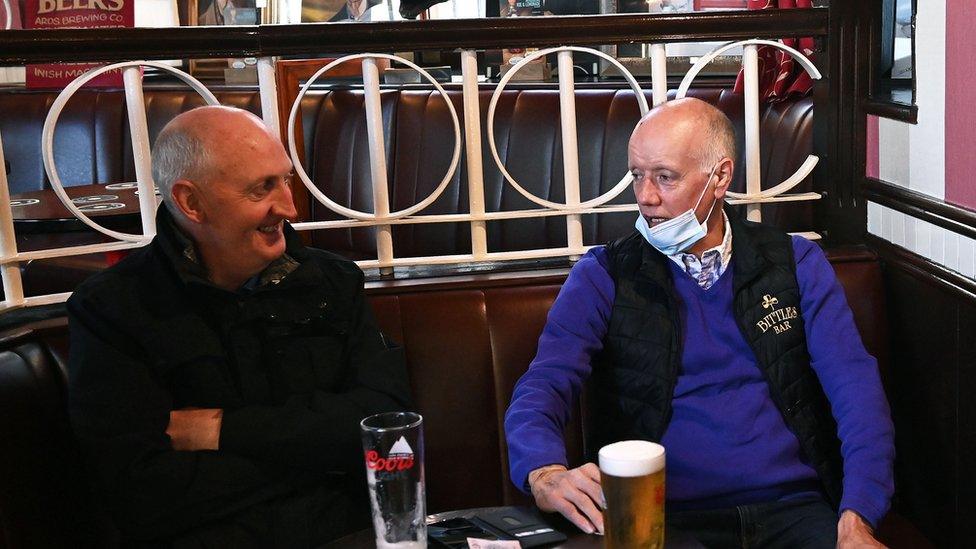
x=227 y=281
x=224 y=278
x=715 y=234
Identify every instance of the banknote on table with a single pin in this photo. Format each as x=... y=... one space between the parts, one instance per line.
x=475 y=543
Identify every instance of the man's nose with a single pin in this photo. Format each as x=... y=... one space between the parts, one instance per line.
x=284 y=204
x=646 y=193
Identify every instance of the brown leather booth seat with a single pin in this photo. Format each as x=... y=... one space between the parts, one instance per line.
x=92 y=146
x=467 y=341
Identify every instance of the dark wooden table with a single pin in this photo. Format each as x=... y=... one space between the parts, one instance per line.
x=115 y=206
x=366 y=539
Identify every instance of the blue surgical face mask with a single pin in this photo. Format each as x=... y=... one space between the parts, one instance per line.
x=679 y=233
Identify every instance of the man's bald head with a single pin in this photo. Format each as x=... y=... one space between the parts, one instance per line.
x=715 y=134
x=199 y=145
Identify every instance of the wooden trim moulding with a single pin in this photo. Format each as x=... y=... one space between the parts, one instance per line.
x=938 y=212
x=923 y=269
x=890 y=109
x=18 y=47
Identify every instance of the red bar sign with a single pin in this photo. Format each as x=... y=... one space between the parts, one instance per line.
x=59 y=14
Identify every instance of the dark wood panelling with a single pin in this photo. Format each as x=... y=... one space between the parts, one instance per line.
x=966 y=462
x=924 y=381
x=932 y=318
x=839 y=126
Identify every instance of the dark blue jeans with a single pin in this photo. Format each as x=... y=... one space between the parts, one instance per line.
x=806 y=523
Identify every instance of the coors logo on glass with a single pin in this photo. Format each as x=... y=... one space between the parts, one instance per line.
x=393 y=445
x=632 y=477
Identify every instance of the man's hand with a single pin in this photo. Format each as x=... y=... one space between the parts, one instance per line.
x=575 y=493
x=195 y=428
x=853 y=532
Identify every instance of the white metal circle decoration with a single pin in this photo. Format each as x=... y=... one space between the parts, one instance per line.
x=7 y=9
x=811 y=161
x=47 y=135
x=594 y=202
x=349 y=212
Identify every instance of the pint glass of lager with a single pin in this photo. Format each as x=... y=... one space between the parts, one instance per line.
x=632 y=476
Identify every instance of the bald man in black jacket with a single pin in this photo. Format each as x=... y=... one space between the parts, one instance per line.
x=219 y=374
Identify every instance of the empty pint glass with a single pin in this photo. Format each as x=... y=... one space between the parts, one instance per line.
x=632 y=476
x=394 y=449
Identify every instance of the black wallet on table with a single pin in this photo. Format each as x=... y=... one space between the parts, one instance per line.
x=503 y=523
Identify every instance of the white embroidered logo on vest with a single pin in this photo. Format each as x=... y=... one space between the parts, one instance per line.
x=777 y=319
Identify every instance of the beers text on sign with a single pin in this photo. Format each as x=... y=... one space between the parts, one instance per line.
x=400 y=458
x=778 y=319
x=48 y=6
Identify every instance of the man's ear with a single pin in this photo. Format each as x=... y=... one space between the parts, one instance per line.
x=723 y=177
x=187 y=198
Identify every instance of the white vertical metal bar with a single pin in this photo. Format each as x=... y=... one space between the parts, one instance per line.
x=8 y=15
x=472 y=151
x=750 y=66
x=377 y=163
x=141 y=154
x=269 y=94
x=659 y=73
x=13 y=286
x=567 y=118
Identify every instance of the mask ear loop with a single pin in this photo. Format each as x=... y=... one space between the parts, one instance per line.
x=709 y=180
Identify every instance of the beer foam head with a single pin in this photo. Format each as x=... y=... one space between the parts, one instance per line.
x=631 y=458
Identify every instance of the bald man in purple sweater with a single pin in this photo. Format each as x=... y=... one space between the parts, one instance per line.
x=730 y=343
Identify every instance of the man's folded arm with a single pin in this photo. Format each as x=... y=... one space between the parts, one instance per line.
x=320 y=430
x=119 y=414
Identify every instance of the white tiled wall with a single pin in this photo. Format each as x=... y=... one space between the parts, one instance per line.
x=942 y=246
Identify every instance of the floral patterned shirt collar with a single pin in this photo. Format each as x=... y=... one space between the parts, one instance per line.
x=707 y=270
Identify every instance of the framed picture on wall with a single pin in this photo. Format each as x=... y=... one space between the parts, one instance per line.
x=224 y=12
x=362 y=11
x=219 y=13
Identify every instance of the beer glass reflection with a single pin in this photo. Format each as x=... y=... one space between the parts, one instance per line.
x=393 y=444
x=632 y=477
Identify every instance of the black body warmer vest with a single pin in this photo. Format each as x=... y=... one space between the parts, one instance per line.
x=633 y=379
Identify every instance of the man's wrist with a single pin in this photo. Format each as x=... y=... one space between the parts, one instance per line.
x=856 y=519
x=541 y=471
x=216 y=423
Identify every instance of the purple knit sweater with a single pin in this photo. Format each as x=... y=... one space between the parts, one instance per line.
x=727 y=444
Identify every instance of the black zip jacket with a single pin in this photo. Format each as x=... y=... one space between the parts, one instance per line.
x=295 y=363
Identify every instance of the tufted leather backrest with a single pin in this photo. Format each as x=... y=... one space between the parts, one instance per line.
x=91 y=142
x=528 y=136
